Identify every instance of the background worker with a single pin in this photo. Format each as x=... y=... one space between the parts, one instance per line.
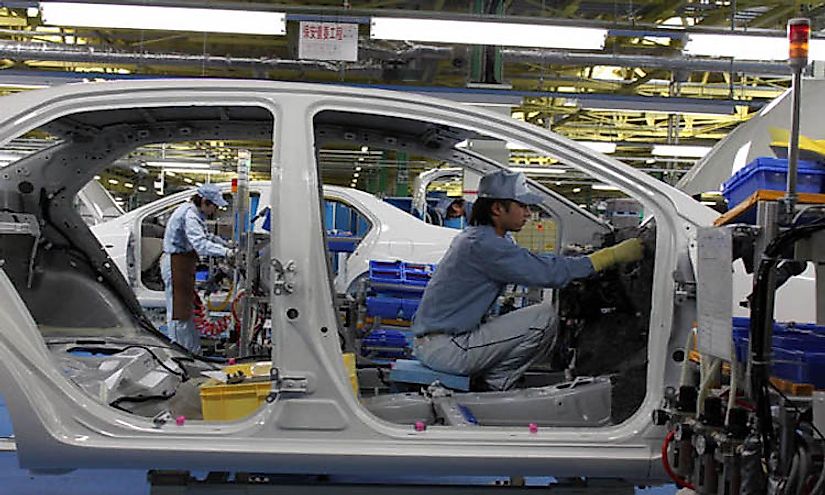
x=452 y=334
x=184 y=241
x=452 y=212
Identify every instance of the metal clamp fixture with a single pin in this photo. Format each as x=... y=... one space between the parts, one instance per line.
x=286 y=384
x=283 y=277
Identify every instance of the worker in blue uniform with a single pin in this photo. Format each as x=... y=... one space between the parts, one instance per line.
x=452 y=213
x=453 y=333
x=185 y=239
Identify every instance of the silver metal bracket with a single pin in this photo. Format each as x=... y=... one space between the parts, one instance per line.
x=283 y=277
x=682 y=291
x=162 y=418
x=286 y=384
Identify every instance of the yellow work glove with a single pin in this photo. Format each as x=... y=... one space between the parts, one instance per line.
x=624 y=252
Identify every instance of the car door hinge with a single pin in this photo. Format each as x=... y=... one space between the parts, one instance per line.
x=283 y=277
x=682 y=291
x=286 y=384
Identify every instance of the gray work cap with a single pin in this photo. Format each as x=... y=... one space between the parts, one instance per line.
x=506 y=184
x=213 y=194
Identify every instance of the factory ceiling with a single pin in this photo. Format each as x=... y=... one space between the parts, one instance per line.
x=639 y=89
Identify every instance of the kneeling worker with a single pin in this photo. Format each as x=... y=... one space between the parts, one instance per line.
x=184 y=241
x=452 y=334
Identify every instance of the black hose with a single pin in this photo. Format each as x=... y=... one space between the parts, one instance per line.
x=761 y=325
x=761 y=328
x=138 y=399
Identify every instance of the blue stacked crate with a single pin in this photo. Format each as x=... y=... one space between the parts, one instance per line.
x=387 y=344
x=398 y=287
x=771 y=174
x=798 y=350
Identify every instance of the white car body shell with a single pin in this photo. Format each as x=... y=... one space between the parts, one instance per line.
x=324 y=428
x=751 y=140
x=393 y=235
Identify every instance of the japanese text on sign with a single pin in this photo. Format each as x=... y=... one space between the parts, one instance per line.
x=328 y=41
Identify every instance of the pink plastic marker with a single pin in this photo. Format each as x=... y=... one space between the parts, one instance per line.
x=420 y=426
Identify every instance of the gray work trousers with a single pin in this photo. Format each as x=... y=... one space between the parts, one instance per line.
x=498 y=351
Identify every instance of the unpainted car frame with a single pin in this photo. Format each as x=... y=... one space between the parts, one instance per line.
x=315 y=424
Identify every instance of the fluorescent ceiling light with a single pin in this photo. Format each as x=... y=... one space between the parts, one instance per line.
x=699 y=107
x=604 y=187
x=187 y=180
x=163 y=18
x=676 y=150
x=577 y=189
x=746 y=47
x=487 y=33
x=539 y=170
x=113 y=182
x=182 y=165
x=128 y=185
x=174 y=171
x=600 y=146
x=142 y=188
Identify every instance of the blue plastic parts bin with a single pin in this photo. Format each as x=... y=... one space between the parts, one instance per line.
x=412 y=371
x=387 y=343
x=399 y=276
x=798 y=350
x=772 y=174
x=392 y=307
x=384 y=307
x=398 y=287
x=386 y=272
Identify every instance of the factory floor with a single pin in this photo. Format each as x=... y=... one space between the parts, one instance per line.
x=14 y=480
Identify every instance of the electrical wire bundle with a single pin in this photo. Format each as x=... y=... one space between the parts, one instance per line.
x=207 y=326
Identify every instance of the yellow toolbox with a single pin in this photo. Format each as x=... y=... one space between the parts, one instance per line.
x=227 y=402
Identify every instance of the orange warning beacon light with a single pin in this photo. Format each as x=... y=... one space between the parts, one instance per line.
x=799 y=34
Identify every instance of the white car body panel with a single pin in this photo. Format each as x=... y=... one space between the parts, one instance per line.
x=393 y=235
x=327 y=430
x=750 y=140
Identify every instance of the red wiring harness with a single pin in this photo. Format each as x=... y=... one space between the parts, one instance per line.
x=666 y=464
x=213 y=328
x=206 y=326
